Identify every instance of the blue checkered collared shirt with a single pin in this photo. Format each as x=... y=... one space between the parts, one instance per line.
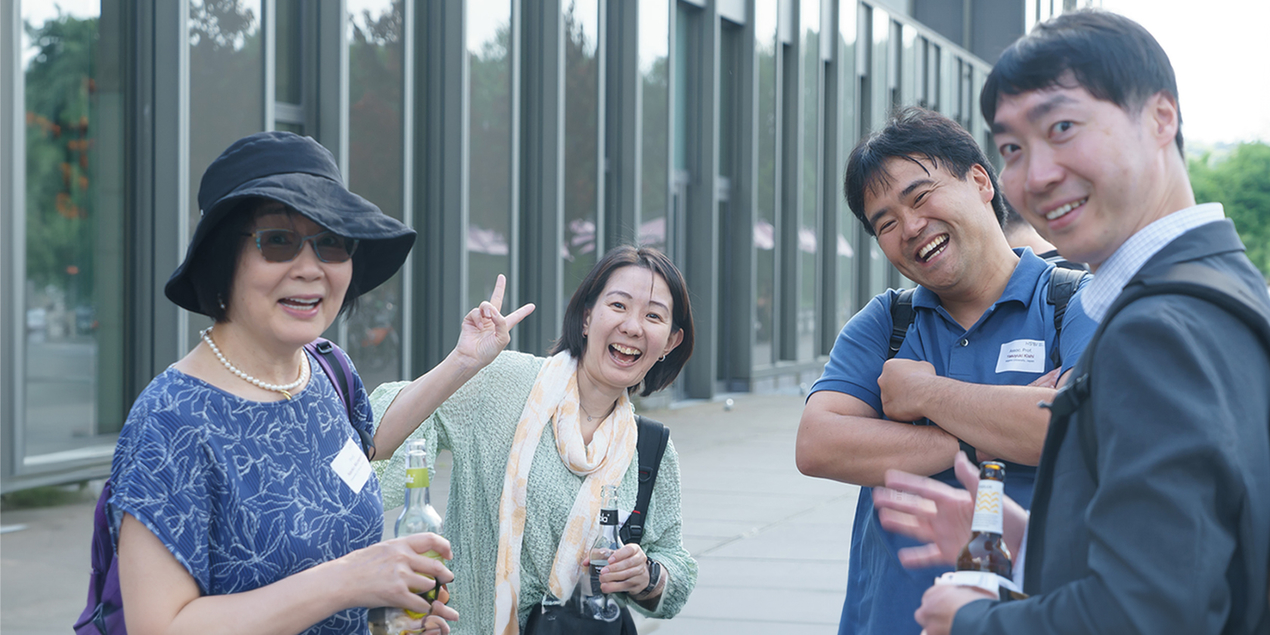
x=1120 y=268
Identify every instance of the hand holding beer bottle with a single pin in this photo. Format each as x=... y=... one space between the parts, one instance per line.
x=417 y=516
x=938 y=514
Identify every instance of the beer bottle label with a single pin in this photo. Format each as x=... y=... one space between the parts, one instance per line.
x=416 y=477
x=989 y=507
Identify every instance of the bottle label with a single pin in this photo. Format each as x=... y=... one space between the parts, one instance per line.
x=989 y=507
x=608 y=516
x=416 y=477
x=595 y=577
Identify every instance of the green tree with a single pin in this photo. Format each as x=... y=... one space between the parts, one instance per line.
x=59 y=143
x=1241 y=182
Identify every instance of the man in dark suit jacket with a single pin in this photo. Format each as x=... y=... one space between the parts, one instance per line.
x=1152 y=504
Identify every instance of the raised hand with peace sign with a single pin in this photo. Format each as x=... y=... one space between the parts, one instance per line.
x=483 y=335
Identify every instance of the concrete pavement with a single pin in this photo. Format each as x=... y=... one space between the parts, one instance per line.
x=772 y=544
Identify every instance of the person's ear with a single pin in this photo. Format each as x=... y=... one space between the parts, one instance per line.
x=979 y=176
x=1163 y=118
x=676 y=339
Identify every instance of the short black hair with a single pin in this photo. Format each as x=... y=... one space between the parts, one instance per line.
x=1109 y=55
x=214 y=265
x=913 y=134
x=664 y=372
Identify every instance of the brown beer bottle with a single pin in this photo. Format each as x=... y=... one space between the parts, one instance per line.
x=986 y=550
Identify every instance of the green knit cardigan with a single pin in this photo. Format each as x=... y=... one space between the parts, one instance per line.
x=477 y=424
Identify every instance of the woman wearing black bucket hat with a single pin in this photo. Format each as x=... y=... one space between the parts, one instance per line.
x=242 y=501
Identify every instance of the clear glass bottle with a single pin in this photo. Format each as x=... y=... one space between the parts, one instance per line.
x=595 y=603
x=417 y=516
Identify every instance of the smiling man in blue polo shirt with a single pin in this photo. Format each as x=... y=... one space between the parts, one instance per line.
x=972 y=367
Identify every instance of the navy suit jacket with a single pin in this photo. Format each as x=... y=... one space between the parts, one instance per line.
x=1169 y=530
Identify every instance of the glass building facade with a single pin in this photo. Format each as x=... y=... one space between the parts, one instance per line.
x=523 y=138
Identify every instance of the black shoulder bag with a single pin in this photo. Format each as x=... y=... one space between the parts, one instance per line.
x=566 y=618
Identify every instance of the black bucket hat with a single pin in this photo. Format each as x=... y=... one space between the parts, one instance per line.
x=301 y=174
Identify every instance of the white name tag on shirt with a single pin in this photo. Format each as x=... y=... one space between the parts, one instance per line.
x=351 y=465
x=1022 y=356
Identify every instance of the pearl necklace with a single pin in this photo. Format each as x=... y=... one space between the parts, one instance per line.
x=284 y=389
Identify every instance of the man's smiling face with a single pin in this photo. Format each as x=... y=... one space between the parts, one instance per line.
x=1083 y=170
x=931 y=225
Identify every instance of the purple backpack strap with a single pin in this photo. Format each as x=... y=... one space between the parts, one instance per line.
x=335 y=364
x=103 y=612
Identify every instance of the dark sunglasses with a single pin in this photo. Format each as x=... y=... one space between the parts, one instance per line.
x=283 y=245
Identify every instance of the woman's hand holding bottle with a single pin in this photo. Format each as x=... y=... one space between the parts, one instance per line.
x=626 y=572
x=391 y=573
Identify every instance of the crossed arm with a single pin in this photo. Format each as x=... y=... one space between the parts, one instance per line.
x=999 y=421
x=841 y=437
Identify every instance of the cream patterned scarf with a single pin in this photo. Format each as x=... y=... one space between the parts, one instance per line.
x=554 y=398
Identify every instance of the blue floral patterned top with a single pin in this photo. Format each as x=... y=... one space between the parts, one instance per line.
x=242 y=492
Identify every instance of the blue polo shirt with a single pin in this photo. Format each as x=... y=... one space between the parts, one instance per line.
x=1003 y=348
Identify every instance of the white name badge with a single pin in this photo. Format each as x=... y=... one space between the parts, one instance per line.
x=1022 y=356
x=351 y=465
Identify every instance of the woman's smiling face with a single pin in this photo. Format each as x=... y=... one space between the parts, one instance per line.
x=286 y=302
x=628 y=329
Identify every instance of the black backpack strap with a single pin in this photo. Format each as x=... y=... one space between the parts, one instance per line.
x=902 y=316
x=1063 y=285
x=1188 y=279
x=653 y=437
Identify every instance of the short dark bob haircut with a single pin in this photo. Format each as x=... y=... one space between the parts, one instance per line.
x=914 y=134
x=213 y=267
x=663 y=373
x=1109 y=55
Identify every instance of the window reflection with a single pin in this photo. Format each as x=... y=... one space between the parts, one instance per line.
x=375 y=171
x=654 y=43
x=807 y=234
x=848 y=226
x=288 y=53
x=581 y=142
x=490 y=140
x=765 y=223
x=688 y=25
x=73 y=69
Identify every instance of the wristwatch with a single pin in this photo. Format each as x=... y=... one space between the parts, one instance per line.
x=654 y=576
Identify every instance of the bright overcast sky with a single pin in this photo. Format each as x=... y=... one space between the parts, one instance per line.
x=1218 y=50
